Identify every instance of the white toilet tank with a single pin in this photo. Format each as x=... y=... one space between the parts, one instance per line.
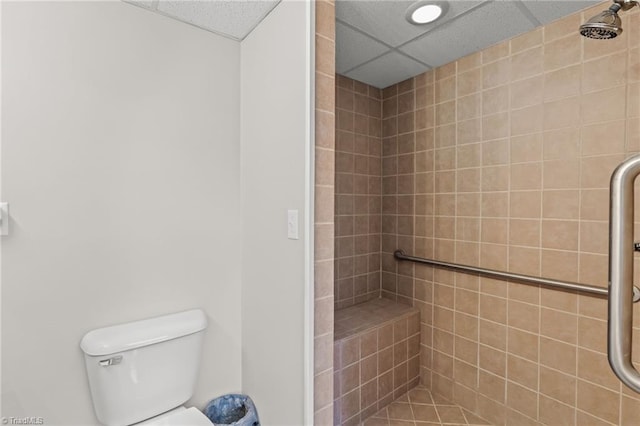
x=144 y=368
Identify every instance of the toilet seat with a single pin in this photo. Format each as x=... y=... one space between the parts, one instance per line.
x=179 y=417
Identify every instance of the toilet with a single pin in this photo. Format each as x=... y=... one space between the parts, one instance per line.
x=142 y=372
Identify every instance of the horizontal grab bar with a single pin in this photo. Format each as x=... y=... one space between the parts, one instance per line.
x=525 y=279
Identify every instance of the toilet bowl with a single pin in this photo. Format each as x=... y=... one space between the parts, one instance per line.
x=144 y=371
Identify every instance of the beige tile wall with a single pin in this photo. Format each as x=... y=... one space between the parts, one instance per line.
x=324 y=210
x=502 y=159
x=358 y=192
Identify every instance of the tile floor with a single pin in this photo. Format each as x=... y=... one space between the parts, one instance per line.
x=419 y=408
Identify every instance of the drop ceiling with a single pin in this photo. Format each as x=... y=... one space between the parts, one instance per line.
x=376 y=45
x=374 y=42
x=234 y=19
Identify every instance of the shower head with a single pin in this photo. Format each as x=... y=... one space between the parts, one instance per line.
x=604 y=25
x=607 y=24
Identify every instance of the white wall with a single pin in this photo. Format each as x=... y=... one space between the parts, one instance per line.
x=120 y=158
x=275 y=158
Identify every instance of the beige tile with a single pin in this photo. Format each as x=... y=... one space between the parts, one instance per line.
x=445 y=114
x=561 y=204
x=526 y=148
x=557 y=385
x=491 y=386
x=594 y=269
x=495 y=100
x=467 y=351
x=425 y=413
x=495 y=178
x=556 y=413
x=469 y=82
x=496 y=204
x=350 y=404
x=493 y=256
x=594 y=367
x=603 y=138
x=495 y=126
x=526 y=176
x=524 y=316
x=469 y=131
x=349 y=378
x=594 y=204
x=527 y=120
x=495 y=52
x=524 y=293
x=526 y=204
x=527 y=64
x=495 y=152
x=491 y=410
x=325 y=19
x=494 y=231
x=468 y=180
x=609 y=104
x=562 y=265
x=560 y=234
x=495 y=73
x=527 y=92
x=561 y=144
x=561 y=53
x=522 y=399
x=524 y=232
x=445 y=89
x=563 y=112
x=526 y=41
x=466 y=326
x=558 y=355
x=469 y=107
x=493 y=309
x=592 y=334
x=596 y=171
x=523 y=344
x=523 y=372
x=562 y=83
x=450 y=414
x=560 y=300
x=599 y=402
x=604 y=72
x=630 y=411
x=468 y=62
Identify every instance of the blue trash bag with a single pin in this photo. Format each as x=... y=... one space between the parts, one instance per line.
x=232 y=409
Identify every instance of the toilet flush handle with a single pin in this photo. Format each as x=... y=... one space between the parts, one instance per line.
x=111 y=361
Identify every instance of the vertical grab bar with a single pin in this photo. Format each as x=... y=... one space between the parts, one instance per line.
x=621 y=250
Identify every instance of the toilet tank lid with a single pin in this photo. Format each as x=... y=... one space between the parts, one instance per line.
x=132 y=335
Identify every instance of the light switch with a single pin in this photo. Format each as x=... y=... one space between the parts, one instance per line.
x=4 y=218
x=292 y=224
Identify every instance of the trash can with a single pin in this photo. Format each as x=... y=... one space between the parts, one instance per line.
x=232 y=409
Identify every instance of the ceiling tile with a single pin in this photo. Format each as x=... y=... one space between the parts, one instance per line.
x=354 y=48
x=385 y=20
x=387 y=70
x=147 y=4
x=232 y=18
x=547 y=11
x=481 y=28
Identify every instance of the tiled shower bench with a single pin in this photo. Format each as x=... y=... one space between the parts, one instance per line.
x=376 y=357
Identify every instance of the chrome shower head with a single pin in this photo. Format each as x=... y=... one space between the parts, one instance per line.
x=607 y=24
x=604 y=25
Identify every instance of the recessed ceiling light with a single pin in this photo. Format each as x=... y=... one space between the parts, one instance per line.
x=424 y=12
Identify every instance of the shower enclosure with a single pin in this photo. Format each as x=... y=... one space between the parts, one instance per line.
x=494 y=187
